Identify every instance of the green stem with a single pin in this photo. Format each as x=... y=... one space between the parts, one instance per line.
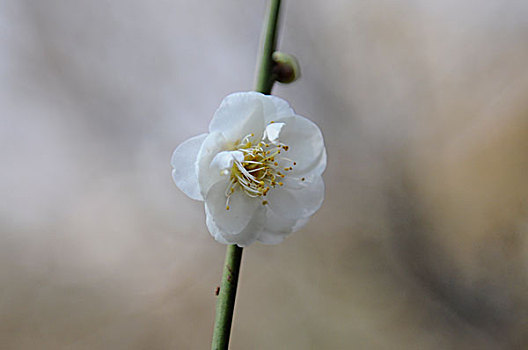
x=226 y=298
x=225 y=303
x=265 y=79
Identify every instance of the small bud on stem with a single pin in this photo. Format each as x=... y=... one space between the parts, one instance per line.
x=285 y=67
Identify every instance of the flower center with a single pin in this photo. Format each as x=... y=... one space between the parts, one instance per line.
x=259 y=171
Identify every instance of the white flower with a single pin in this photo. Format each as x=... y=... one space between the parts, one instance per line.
x=258 y=169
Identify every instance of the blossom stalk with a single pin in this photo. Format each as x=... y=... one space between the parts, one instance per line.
x=225 y=304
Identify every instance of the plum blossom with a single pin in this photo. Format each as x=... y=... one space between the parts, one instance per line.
x=258 y=170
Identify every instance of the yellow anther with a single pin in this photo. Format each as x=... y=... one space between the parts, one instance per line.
x=257 y=173
x=271 y=122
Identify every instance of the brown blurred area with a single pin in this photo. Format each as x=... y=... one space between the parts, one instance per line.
x=420 y=244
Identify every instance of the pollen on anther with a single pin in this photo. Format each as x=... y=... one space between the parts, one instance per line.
x=276 y=164
x=280 y=183
x=227 y=207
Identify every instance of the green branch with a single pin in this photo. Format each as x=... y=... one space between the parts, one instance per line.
x=265 y=78
x=225 y=303
x=226 y=298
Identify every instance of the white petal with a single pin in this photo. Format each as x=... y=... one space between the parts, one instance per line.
x=272 y=132
x=239 y=114
x=241 y=208
x=278 y=227
x=300 y=223
x=296 y=204
x=213 y=144
x=317 y=169
x=276 y=108
x=184 y=163
x=243 y=238
x=278 y=224
x=305 y=143
x=224 y=160
x=267 y=237
x=233 y=116
x=213 y=229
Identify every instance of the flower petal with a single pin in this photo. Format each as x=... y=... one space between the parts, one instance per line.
x=241 y=208
x=317 y=169
x=236 y=109
x=213 y=229
x=184 y=163
x=272 y=132
x=213 y=144
x=297 y=203
x=305 y=142
x=267 y=237
x=239 y=114
x=224 y=160
x=243 y=238
x=278 y=227
x=276 y=108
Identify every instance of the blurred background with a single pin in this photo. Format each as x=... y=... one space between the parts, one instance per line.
x=420 y=244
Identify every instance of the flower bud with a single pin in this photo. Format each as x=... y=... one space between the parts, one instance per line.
x=285 y=67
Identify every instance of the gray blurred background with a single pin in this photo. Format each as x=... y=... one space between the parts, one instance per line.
x=420 y=244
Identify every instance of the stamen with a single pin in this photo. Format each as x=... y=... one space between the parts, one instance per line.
x=256 y=174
